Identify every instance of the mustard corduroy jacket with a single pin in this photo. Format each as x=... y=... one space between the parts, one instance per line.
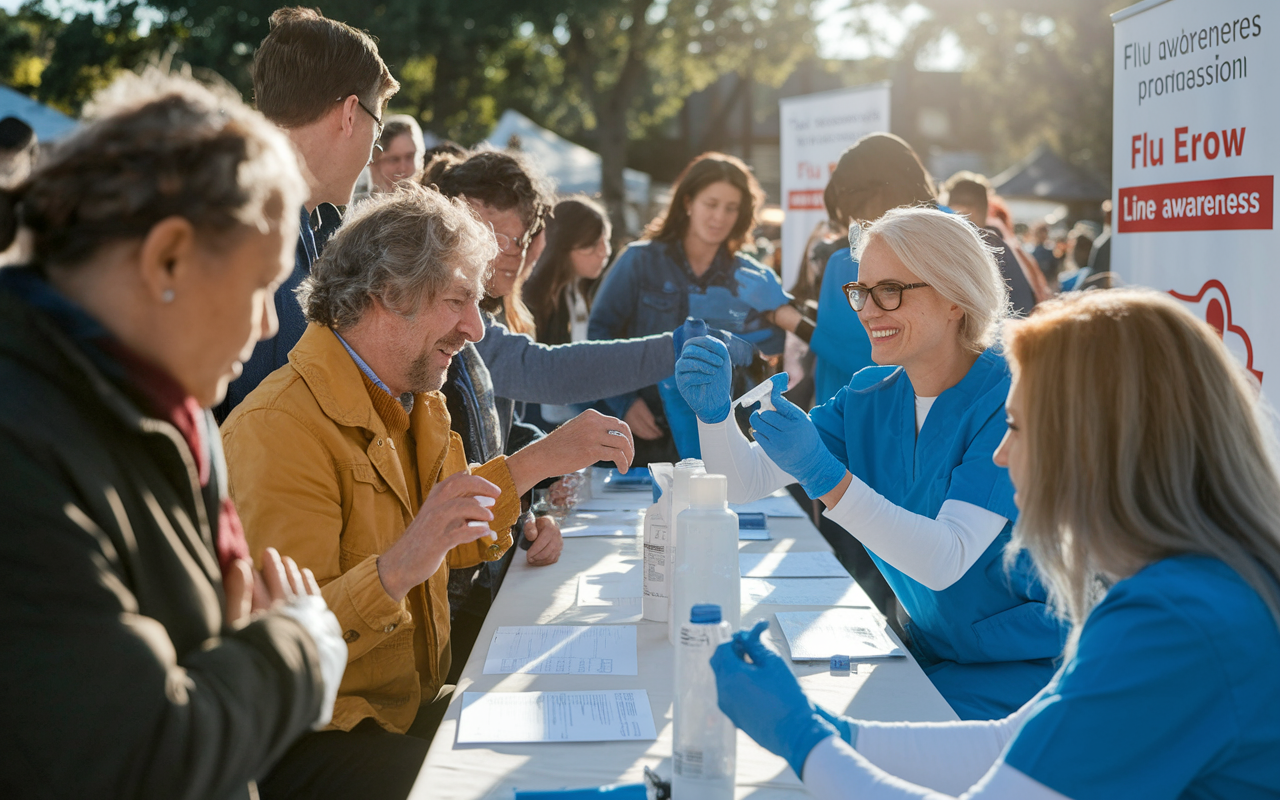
x=317 y=473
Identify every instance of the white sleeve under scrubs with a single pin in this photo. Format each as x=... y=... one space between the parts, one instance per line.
x=1173 y=694
x=934 y=513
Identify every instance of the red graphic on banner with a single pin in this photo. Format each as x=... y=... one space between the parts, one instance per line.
x=1224 y=204
x=1218 y=314
x=806 y=200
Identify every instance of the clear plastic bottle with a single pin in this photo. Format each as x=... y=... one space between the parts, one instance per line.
x=705 y=741
x=684 y=471
x=706 y=561
x=657 y=552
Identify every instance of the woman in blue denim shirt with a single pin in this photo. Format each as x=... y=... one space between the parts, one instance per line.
x=687 y=264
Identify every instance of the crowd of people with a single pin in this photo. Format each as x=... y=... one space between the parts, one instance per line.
x=277 y=385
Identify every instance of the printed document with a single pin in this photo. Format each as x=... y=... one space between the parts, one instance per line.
x=853 y=632
x=562 y=650
x=791 y=565
x=611 y=716
x=802 y=592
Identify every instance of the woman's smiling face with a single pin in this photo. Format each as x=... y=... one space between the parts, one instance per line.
x=924 y=327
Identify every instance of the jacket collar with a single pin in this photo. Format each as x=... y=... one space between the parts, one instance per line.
x=338 y=388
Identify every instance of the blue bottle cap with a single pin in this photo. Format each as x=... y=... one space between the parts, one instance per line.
x=705 y=614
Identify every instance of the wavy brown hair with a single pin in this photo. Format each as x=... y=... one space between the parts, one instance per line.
x=1145 y=440
x=706 y=169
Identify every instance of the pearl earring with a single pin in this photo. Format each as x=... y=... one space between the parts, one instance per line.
x=167 y=296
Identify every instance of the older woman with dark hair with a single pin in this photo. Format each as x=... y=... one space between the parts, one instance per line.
x=143 y=656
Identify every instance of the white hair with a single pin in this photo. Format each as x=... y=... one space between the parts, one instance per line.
x=947 y=252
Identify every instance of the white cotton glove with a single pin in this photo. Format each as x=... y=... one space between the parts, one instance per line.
x=313 y=614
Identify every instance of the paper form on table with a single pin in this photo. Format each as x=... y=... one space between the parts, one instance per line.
x=819 y=564
x=609 y=716
x=854 y=632
x=562 y=650
x=802 y=592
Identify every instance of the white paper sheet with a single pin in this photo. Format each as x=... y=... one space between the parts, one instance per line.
x=791 y=565
x=602 y=523
x=802 y=592
x=775 y=505
x=504 y=717
x=616 y=589
x=819 y=635
x=562 y=650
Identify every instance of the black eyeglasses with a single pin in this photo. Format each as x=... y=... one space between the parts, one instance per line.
x=377 y=120
x=887 y=295
x=518 y=246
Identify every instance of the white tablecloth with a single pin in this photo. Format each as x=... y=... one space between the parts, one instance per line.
x=889 y=690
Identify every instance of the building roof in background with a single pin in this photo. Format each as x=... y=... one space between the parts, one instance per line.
x=573 y=167
x=48 y=123
x=1044 y=175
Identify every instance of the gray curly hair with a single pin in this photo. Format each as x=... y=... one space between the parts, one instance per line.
x=401 y=247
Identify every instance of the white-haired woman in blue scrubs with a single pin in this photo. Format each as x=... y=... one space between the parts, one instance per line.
x=902 y=457
x=1151 y=507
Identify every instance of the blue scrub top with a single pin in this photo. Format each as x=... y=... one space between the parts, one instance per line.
x=988 y=641
x=1174 y=692
x=839 y=343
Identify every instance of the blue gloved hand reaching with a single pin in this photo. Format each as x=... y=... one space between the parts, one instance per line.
x=760 y=288
x=758 y=693
x=741 y=352
x=704 y=376
x=790 y=439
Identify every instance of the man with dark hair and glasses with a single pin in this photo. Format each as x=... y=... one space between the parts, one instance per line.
x=323 y=82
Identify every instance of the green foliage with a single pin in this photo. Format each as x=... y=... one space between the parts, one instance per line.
x=1042 y=68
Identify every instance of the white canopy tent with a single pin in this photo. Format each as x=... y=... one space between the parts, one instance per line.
x=48 y=123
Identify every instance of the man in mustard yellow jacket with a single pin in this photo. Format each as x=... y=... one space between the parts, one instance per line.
x=343 y=459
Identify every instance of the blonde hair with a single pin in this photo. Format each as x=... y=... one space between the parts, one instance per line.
x=947 y=252
x=1145 y=441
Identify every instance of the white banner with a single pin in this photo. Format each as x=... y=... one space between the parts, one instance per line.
x=1194 y=162
x=816 y=129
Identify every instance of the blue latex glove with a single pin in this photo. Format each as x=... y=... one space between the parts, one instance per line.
x=763 y=698
x=691 y=329
x=847 y=728
x=760 y=288
x=704 y=377
x=741 y=351
x=789 y=437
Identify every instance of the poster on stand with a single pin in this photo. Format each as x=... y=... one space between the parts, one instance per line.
x=816 y=129
x=1194 y=160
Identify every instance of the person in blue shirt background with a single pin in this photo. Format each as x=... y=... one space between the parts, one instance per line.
x=688 y=264
x=1141 y=461
x=901 y=457
x=879 y=172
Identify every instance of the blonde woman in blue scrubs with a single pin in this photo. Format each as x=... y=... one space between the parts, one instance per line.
x=901 y=457
x=1141 y=465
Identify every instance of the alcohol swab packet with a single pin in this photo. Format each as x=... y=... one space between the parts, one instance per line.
x=487 y=502
x=762 y=394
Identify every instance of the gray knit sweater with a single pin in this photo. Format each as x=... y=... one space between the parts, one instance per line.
x=582 y=372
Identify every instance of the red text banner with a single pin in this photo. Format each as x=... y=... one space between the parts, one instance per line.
x=1215 y=205
x=806 y=199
